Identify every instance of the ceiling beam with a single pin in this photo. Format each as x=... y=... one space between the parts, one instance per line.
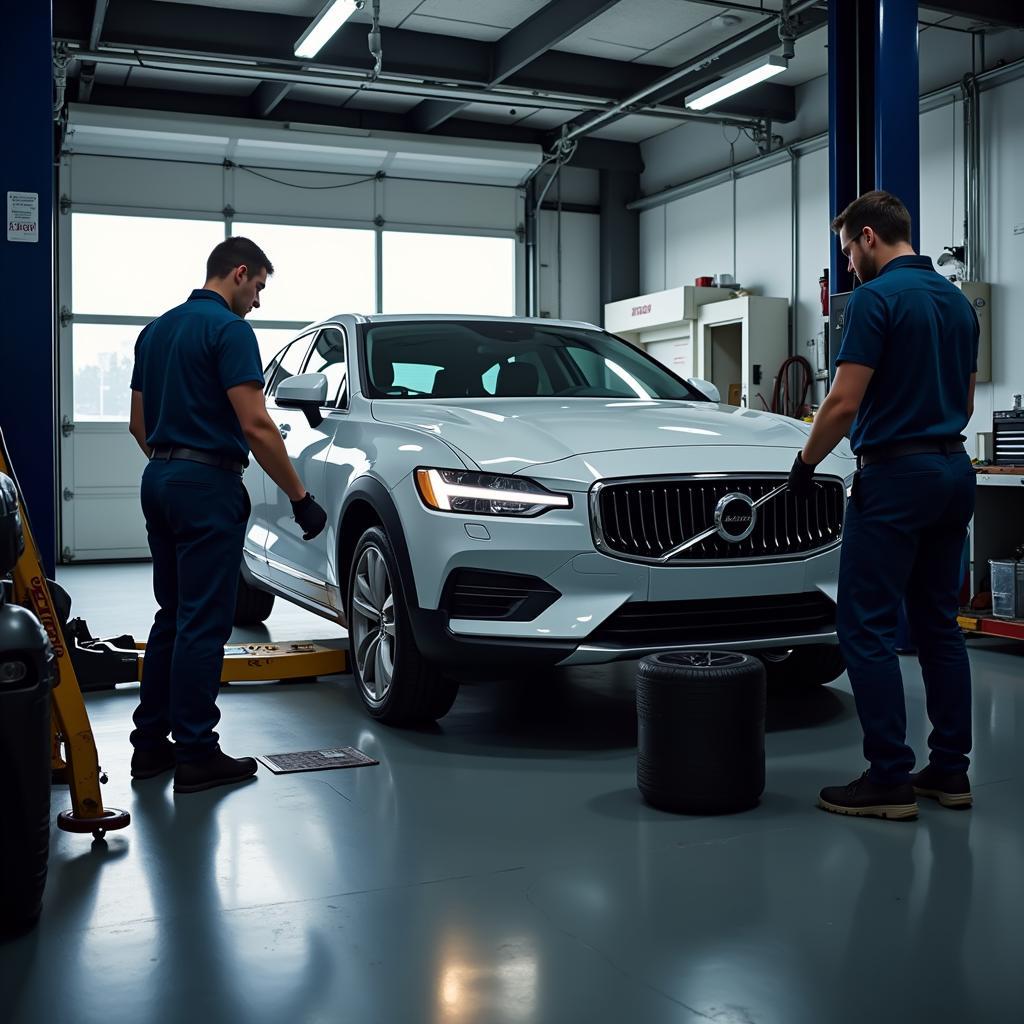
x=554 y=22
x=99 y=14
x=996 y=12
x=520 y=46
x=267 y=95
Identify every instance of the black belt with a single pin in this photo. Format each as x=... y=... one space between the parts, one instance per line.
x=940 y=446
x=206 y=458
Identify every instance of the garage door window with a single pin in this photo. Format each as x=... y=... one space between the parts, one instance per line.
x=124 y=272
x=434 y=273
x=317 y=271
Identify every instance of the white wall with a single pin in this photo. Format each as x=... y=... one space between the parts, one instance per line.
x=693 y=235
x=578 y=296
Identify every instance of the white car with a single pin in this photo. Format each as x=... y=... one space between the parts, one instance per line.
x=506 y=494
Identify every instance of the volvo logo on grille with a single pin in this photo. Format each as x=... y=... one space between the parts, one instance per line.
x=735 y=517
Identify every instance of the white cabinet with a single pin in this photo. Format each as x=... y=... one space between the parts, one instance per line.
x=663 y=323
x=741 y=343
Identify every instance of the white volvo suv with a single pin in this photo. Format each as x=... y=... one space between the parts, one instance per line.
x=506 y=494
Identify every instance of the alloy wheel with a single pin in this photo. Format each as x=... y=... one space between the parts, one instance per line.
x=373 y=625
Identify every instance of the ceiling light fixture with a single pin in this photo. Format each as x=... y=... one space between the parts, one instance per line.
x=324 y=25
x=736 y=81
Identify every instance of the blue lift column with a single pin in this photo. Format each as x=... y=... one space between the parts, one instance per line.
x=27 y=384
x=27 y=381
x=873 y=110
x=897 y=108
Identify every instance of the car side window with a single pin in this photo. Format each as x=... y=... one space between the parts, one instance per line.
x=328 y=357
x=287 y=364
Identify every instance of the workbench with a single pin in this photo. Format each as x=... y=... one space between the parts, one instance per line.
x=997 y=528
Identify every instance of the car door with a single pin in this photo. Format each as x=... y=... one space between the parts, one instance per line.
x=303 y=567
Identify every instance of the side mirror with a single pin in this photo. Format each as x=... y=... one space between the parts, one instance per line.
x=705 y=387
x=307 y=392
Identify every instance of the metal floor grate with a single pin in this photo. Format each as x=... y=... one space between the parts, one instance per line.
x=315 y=760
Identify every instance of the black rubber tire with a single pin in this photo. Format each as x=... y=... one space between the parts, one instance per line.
x=804 y=667
x=252 y=605
x=700 y=720
x=25 y=766
x=420 y=691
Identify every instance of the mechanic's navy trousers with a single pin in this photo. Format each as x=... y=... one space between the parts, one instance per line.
x=906 y=525
x=195 y=517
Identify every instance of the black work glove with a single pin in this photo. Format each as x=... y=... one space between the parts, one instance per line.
x=801 y=478
x=310 y=516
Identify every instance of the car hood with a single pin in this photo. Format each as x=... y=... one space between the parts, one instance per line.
x=507 y=435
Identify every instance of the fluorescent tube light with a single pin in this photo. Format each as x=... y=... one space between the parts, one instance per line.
x=736 y=81
x=324 y=25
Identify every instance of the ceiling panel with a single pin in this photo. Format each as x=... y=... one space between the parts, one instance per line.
x=810 y=59
x=390 y=103
x=542 y=120
x=324 y=95
x=636 y=128
x=392 y=13
x=459 y=29
x=696 y=40
x=502 y=13
x=495 y=113
x=148 y=78
x=641 y=24
x=601 y=48
x=304 y=8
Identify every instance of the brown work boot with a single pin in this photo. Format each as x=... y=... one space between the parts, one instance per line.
x=951 y=789
x=216 y=770
x=866 y=799
x=148 y=762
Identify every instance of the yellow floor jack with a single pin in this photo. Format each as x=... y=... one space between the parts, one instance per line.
x=104 y=663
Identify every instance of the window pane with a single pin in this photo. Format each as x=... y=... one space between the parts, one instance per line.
x=271 y=340
x=290 y=363
x=137 y=266
x=468 y=274
x=317 y=271
x=328 y=358
x=102 y=359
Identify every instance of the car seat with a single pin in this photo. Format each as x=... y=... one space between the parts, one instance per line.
x=517 y=380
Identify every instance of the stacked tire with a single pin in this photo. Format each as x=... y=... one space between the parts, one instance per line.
x=701 y=720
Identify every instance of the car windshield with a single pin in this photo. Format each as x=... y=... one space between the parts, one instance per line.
x=509 y=359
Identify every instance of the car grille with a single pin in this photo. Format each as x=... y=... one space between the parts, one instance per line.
x=720 y=620
x=480 y=594
x=643 y=520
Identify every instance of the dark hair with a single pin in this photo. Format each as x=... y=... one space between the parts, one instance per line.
x=237 y=252
x=882 y=212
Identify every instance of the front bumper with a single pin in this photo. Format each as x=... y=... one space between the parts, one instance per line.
x=558 y=548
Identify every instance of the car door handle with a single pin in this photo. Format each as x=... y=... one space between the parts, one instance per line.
x=284 y=428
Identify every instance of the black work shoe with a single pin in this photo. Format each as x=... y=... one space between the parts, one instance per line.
x=149 y=762
x=867 y=799
x=951 y=789
x=216 y=770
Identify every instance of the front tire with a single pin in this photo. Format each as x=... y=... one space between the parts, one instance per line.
x=803 y=667
x=396 y=684
x=252 y=605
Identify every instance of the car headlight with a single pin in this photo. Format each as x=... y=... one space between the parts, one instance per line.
x=487 y=494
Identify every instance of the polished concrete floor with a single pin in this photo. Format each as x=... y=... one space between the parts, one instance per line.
x=501 y=868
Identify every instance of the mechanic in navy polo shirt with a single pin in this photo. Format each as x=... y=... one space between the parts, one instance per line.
x=197 y=409
x=905 y=383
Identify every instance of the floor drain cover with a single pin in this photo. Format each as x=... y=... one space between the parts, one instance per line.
x=315 y=760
